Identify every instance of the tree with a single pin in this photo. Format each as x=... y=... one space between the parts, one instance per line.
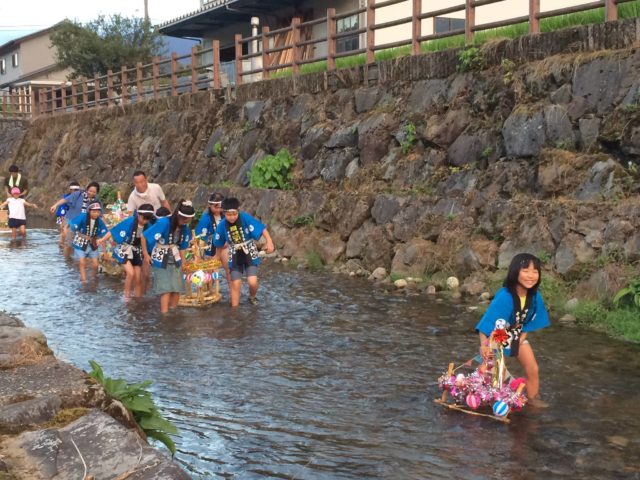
x=104 y=44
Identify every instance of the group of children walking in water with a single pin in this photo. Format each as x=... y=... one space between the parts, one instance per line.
x=152 y=242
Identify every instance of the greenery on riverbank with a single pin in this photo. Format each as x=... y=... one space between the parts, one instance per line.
x=588 y=17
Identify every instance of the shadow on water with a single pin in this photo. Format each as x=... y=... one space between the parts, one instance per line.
x=329 y=380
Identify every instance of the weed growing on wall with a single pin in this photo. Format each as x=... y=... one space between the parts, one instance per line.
x=273 y=171
x=138 y=399
x=409 y=131
x=470 y=60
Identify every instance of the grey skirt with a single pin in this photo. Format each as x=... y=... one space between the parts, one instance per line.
x=168 y=280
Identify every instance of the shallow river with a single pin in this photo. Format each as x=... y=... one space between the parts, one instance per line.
x=329 y=380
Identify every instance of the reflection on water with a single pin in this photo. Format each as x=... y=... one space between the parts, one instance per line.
x=328 y=380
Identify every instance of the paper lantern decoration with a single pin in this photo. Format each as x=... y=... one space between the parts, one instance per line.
x=460 y=380
x=473 y=401
x=501 y=324
x=215 y=275
x=500 y=409
x=197 y=278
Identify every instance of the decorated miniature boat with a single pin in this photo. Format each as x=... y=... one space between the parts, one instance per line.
x=488 y=390
x=202 y=280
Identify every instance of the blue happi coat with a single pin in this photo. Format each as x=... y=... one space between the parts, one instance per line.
x=122 y=234
x=241 y=235
x=206 y=230
x=157 y=237
x=502 y=307
x=80 y=224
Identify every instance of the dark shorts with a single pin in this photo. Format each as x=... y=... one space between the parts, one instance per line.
x=238 y=271
x=136 y=261
x=16 y=223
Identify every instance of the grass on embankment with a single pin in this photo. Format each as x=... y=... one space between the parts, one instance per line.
x=588 y=17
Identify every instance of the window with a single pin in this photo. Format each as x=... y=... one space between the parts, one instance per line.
x=14 y=60
x=352 y=42
x=446 y=24
x=3 y=66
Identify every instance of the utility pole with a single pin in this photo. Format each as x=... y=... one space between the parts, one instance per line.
x=146 y=10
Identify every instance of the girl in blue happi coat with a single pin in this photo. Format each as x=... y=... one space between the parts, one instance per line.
x=128 y=236
x=166 y=242
x=206 y=230
x=89 y=232
x=520 y=305
x=239 y=231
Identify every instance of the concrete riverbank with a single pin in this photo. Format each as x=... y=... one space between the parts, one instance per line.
x=57 y=422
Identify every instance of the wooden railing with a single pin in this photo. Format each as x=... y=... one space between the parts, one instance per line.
x=269 y=51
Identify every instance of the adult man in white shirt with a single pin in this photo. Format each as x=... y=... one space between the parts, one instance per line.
x=145 y=192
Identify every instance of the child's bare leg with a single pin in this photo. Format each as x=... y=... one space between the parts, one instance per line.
x=129 y=278
x=23 y=231
x=164 y=302
x=175 y=298
x=94 y=267
x=137 y=281
x=145 y=277
x=253 y=286
x=224 y=259
x=82 y=266
x=235 y=287
x=528 y=361
x=14 y=233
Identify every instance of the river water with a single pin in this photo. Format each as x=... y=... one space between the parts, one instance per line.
x=328 y=379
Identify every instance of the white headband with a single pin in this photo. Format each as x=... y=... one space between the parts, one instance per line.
x=185 y=215
x=145 y=211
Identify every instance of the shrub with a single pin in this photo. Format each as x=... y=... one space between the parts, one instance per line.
x=273 y=171
x=629 y=295
x=108 y=194
x=409 y=131
x=138 y=399
x=303 y=221
x=313 y=259
x=470 y=60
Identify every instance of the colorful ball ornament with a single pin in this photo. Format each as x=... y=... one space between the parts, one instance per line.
x=215 y=275
x=197 y=277
x=500 y=409
x=473 y=401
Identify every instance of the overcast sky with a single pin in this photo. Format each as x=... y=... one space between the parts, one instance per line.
x=26 y=16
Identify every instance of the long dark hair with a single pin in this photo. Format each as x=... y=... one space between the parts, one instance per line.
x=183 y=206
x=520 y=261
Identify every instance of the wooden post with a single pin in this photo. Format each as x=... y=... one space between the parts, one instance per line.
x=63 y=97
x=371 y=33
x=470 y=21
x=123 y=85
x=139 y=86
x=610 y=10
x=238 y=40
x=174 y=74
x=85 y=93
x=96 y=91
x=54 y=103
x=35 y=110
x=416 y=24
x=74 y=96
x=40 y=103
x=331 y=40
x=295 y=30
x=14 y=103
x=265 y=55
x=110 y=101
x=194 y=70
x=217 y=83
x=155 y=69
x=534 y=21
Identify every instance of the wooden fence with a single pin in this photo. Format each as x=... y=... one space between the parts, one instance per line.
x=284 y=48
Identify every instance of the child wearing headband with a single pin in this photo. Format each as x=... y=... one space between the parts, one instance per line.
x=128 y=236
x=166 y=242
x=206 y=229
x=89 y=233
x=240 y=231
x=17 y=213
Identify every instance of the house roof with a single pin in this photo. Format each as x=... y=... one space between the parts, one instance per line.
x=219 y=13
x=12 y=44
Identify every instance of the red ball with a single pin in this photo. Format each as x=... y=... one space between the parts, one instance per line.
x=473 y=401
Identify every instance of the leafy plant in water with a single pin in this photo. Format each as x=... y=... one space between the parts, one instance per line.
x=313 y=259
x=470 y=60
x=138 y=399
x=409 y=139
x=630 y=294
x=273 y=171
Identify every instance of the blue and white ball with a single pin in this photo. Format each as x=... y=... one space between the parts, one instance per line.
x=500 y=409
x=501 y=324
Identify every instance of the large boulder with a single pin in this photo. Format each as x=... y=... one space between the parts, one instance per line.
x=444 y=129
x=571 y=253
x=95 y=445
x=524 y=132
x=374 y=135
x=415 y=259
x=427 y=95
x=598 y=82
x=370 y=244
